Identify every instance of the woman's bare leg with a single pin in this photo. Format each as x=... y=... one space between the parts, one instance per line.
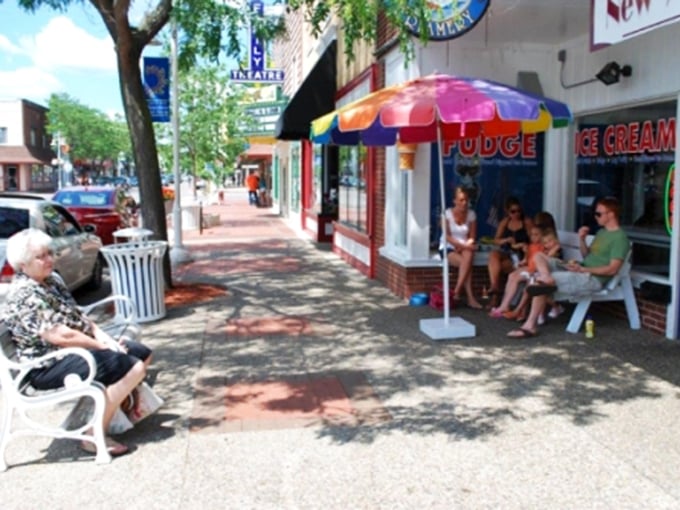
x=465 y=278
x=514 y=279
x=118 y=391
x=494 y=268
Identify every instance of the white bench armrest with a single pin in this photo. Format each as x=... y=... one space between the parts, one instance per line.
x=24 y=367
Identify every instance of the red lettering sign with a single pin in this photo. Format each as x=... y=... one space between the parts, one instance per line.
x=488 y=147
x=631 y=138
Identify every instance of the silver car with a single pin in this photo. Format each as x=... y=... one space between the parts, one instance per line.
x=76 y=248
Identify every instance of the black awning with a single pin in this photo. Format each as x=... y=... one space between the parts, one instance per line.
x=315 y=97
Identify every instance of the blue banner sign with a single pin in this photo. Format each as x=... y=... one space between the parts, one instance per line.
x=156 y=72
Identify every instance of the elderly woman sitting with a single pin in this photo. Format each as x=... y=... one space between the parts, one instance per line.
x=42 y=316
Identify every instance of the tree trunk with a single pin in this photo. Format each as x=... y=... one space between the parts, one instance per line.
x=143 y=144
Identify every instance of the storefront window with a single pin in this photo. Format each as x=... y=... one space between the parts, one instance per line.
x=295 y=178
x=324 y=189
x=43 y=177
x=492 y=170
x=316 y=190
x=353 y=204
x=628 y=154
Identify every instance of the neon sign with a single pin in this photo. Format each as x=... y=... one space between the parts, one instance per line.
x=668 y=199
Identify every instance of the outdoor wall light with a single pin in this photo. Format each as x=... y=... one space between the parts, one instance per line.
x=611 y=73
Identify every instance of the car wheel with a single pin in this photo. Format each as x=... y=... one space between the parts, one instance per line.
x=96 y=279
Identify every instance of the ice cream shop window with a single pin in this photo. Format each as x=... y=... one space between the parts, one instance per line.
x=630 y=154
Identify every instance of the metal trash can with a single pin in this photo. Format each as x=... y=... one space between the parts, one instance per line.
x=136 y=271
x=191 y=216
x=132 y=234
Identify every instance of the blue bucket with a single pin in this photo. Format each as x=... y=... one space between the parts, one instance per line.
x=419 y=299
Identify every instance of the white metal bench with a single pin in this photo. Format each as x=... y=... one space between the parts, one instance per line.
x=618 y=288
x=20 y=398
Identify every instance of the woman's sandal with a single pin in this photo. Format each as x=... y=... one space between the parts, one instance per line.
x=114 y=448
x=521 y=333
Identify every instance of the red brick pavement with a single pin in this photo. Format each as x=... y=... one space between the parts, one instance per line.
x=296 y=400
x=238 y=221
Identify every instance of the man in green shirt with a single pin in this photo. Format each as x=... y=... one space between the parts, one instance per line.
x=601 y=260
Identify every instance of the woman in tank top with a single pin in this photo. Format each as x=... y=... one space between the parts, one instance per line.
x=459 y=243
x=511 y=231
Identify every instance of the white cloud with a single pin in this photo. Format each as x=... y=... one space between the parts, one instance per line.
x=63 y=45
x=29 y=83
x=7 y=47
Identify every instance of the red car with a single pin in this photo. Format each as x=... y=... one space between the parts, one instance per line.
x=108 y=208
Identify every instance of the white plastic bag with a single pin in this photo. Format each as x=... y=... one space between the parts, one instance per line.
x=119 y=423
x=147 y=402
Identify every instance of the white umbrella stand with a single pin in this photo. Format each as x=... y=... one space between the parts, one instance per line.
x=447 y=327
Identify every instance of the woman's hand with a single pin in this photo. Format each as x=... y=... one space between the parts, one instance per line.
x=470 y=245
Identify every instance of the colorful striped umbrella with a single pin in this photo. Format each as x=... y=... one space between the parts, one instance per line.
x=435 y=108
x=412 y=112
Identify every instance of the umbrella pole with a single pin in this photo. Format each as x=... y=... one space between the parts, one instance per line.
x=446 y=327
x=442 y=197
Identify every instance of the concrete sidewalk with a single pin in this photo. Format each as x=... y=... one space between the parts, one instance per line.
x=308 y=386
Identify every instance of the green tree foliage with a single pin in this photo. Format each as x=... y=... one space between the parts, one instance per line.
x=209 y=122
x=209 y=29
x=90 y=134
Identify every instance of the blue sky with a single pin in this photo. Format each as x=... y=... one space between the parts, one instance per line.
x=50 y=51
x=53 y=52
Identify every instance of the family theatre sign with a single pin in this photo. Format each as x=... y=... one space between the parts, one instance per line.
x=449 y=19
x=258 y=72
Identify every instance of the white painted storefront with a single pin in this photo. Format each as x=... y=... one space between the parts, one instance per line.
x=655 y=60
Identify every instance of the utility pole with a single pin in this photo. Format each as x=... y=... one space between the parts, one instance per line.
x=178 y=254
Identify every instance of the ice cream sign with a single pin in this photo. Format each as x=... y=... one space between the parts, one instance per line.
x=449 y=19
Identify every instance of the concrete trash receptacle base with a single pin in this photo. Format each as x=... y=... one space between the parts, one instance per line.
x=137 y=272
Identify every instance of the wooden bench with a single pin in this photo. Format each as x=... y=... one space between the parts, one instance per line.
x=618 y=288
x=20 y=398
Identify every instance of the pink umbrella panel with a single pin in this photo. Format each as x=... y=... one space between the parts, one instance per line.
x=412 y=112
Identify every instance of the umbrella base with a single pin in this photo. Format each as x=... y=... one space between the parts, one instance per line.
x=439 y=329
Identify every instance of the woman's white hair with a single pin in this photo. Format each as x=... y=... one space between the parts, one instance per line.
x=24 y=245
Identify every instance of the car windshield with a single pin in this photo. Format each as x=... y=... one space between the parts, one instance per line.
x=12 y=221
x=83 y=198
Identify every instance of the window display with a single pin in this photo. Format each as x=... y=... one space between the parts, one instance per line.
x=353 y=210
x=630 y=154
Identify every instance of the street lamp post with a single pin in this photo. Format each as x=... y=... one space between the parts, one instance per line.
x=58 y=161
x=178 y=254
